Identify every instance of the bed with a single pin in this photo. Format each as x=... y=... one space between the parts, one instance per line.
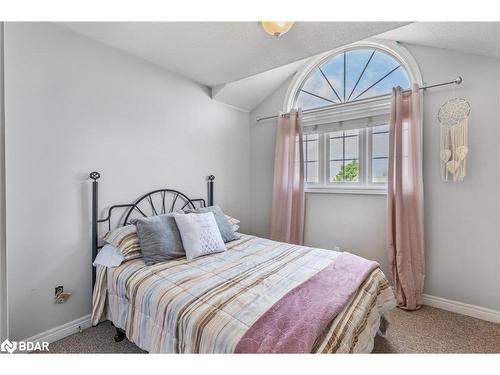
x=259 y=296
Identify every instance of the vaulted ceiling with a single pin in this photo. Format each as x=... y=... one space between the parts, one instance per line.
x=215 y=53
x=243 y=65
x=481 y=38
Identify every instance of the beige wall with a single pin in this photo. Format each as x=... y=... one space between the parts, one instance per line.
x=462 y=220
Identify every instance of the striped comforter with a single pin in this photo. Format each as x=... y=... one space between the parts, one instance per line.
x=206 y=305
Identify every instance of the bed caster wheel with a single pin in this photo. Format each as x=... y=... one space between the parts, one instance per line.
x=120 y=335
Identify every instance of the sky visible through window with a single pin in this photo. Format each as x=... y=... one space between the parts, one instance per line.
x=368 y=72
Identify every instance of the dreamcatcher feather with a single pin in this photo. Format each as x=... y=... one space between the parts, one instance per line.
x=453 y=118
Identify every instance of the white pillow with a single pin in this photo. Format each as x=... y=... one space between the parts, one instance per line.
x=200 y=234
x=109 y=256
x=232 y=220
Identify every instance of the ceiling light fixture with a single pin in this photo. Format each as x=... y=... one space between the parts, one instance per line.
x=277 y=28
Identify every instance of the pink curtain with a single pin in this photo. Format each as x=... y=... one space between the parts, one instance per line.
x=287 y=216
x=405 y=198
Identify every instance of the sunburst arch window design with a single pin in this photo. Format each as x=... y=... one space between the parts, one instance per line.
x=345 y=96
x=351 y=75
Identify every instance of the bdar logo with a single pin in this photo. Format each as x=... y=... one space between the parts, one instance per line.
x=8 y=346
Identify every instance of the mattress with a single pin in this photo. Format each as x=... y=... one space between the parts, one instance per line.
x=208 y=304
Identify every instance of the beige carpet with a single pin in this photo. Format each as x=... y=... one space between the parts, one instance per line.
x=431 y=330
x=428 y=330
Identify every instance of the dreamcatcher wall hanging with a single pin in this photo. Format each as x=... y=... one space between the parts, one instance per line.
x=453 y=119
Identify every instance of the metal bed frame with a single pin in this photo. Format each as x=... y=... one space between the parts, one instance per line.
x=156 y=202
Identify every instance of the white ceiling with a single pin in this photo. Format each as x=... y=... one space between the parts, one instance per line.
x=482 y=38
x=243 y=65
x=214 y=53
x=248 y=93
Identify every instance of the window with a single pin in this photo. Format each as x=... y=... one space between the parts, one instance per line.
x=349 y=76
x=311 y=158
x=353 y=159
x=345 y=99
x=379 y=154
x=343 y=163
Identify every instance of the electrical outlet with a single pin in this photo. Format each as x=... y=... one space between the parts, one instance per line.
x=62 y=297
x=58 y=290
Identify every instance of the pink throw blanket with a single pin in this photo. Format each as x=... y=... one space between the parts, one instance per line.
x=293 y=324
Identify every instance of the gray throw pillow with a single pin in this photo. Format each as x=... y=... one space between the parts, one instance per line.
x=159 y=238
x=226 y=229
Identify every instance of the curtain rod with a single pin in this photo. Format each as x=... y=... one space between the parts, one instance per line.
x=456 y=81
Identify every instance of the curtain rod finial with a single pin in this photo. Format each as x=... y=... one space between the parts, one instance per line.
x=459 y=80
x=95 y=176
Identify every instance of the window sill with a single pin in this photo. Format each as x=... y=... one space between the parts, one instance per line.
x=346 y=190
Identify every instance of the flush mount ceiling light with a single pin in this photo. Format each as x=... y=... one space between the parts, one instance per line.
x=277 y=28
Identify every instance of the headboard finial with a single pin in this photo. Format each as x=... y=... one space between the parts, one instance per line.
x=210 y=184
x=95 y=176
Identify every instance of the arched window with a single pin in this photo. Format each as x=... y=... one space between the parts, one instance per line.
x=351 y=75
x=345 y=98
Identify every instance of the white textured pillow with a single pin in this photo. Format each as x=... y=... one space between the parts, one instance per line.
x=200 y=234
x=109 y=256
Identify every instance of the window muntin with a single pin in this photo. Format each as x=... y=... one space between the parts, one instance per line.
x=344 y=156
x=311 y=158
x=347 y=159
x=379 y=154
x=352 y=89
x=351 y=75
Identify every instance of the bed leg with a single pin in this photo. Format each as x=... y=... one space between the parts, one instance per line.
x=120 y=335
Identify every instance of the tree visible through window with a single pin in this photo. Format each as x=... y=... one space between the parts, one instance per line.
x=344 y=156
x=348 y=172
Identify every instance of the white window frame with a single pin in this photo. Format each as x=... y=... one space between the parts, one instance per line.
x=364 y=184
x=365 y=109
x=326 y=158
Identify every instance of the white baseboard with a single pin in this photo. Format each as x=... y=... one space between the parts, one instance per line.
x=62 y=331
x=462 y=308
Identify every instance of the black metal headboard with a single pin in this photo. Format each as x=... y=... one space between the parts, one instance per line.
x=156 y=202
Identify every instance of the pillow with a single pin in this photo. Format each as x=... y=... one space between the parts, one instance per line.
x=225 y=228
x=235 y=223
x=159 y=238
x=126 y=240
x=109 y=256
x=200 y=234
x=232 y=220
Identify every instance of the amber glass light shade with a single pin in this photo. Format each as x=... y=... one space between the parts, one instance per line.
x=277 y=28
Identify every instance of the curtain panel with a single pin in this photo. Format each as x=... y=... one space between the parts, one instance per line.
x=405 y=229
x=287 y=215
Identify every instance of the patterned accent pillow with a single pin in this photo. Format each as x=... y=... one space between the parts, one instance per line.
x=225 y=228
x=200 y=234
x=126 y=240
